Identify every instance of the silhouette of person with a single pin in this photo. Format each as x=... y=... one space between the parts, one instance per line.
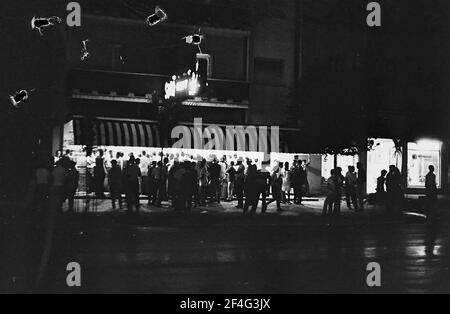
x=431 y=191
x=331 y=195
x=393 y=189
x=350 y=188
x=132 y=173
x=381 y=190
x=339 y=182
x=72 y=184
x=239 y=184
x=115 y=183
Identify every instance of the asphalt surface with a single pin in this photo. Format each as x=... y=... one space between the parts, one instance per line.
x=208 y=251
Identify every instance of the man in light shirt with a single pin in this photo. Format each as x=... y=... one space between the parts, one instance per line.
x=109 y=157
x=120 y=160
x=223 y=178
x=143 y=166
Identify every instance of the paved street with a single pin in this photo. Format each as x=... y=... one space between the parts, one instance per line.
x=217 y=250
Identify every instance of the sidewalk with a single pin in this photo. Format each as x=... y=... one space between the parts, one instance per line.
x=311 y=206
x=309 y=212
x=227 y=213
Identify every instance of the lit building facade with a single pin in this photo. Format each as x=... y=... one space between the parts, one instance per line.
x=252 y=63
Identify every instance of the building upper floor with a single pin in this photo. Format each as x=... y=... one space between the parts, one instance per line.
x=251 y=46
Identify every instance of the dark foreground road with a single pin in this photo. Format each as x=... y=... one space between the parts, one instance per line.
x=173 y=253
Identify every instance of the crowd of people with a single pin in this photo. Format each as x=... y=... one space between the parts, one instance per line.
x=195 y=182
x=186 y=181
x=353 y=184
x=389 y=191
x=53 y=185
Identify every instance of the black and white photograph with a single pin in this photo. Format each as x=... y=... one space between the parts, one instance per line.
x=224 y=153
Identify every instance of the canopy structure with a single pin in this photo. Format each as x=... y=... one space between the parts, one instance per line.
x=112 y=132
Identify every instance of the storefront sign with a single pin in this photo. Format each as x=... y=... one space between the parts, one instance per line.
x=184 y=86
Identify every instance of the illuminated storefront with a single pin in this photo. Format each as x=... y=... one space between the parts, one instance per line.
x=328 y=163
x=314 y=168
x=417 y=155
x=421 y=155
x=380 y=158
x=135 y=136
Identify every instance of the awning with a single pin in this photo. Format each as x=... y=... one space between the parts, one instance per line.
x=146 y=133
x=115 y=132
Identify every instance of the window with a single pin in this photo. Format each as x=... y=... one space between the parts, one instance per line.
x=342 y=161
x=269 y=72
x=421 y=155
x=382 y=155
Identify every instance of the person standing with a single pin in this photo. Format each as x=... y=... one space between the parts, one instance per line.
x=132 y=174
x=393 y=189
x=159 y=175
x=143 y=166
x=350 y=188
x=152 y=183
x=57 y=190
x=295 y=179
x=239 y=183
x=303 y=181
x=164 y=182
x=179 y=195
x=202 y=178
x=361 y=185
x=115 y=178
x=339 y=183
x=99 y=175
x=276 y=182
x=331 y=195
x=171 y=181
x=431 y=191
x=261 y=182
x=231 y=179
x=381 y=190
x=72 y=184
x=250 y=188
x=120 y=160
x=223 y=178
x=214 y=172
x=262 y=187
x=305 y=165
x=286 y=188
x=189 y=182
x=108 y=159
x=131 y=158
